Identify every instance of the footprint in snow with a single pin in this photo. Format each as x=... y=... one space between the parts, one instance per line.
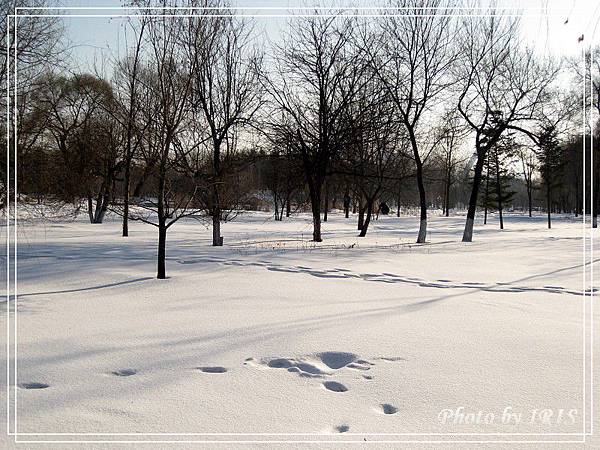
x=334 y=386
x=337 y=360
x=317 y=364
x=124 y=372
x=212 y=369
x=33 y=385
x=387 y=409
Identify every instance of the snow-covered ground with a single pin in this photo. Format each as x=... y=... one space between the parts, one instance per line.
x=348 y=339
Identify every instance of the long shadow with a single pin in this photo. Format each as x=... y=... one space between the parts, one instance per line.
x=90 y=288
x=386 y=277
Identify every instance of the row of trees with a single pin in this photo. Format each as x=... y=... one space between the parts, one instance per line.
x=201 y=114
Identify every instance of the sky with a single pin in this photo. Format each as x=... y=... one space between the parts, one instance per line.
x=552 y=26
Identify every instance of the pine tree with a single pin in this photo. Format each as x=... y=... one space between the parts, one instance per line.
x=498 y=177
x=550 y=156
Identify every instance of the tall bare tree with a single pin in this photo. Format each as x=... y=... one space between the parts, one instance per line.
x=225 y=90
x=34 y=44
x=501 y=87
x=168 y=79
x=411 y=53
x=452 y=133
x=316 y=73
x=373 y=147
x=528 y=169
x=127 y=81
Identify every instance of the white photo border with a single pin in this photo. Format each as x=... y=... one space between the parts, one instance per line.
x=17 y=14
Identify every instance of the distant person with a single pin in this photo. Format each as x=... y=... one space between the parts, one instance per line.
x=384 y=209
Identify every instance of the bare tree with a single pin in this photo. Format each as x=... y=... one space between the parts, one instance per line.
x=225 y=89
x=452 y=133
x=39 y=41
x=129 y=114
x=501 y=85
x=528 y=169
x=37 y=47
x=86 y=137
x=372 y=148
x=411 y=55
x=167 y=77
x=281 y=173
x=316 y=75
x=552 y=120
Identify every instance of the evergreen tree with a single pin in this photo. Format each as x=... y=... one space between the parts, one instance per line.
x=551 y=158
x=498 y=177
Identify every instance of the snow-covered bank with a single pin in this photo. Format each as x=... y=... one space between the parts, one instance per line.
x=275 y=334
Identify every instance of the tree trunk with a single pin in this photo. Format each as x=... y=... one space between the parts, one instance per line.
x=447 y=193
x=162 y=225
x=288 y=207
x=468 y=232
x=90 y=208
x=98 y=206
x=487 y=193
x=347 y=202
x=499 y=192
x=500 y=215
x=485 y=210
x=142 y=180
x=326 y=202
x=216 y=206
x=365 y=227
x=314 y=188
x=162 y=249
x=276 y=204
x=576 y=196
x=421 y=185
x=596 y=199
x=216 y=227
x=126 y=186
x=549 y=204
x=101 y=215
x=106 y=199
x=361 y=214
x=316 y=212
x=529 y=189
x=423 y=203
